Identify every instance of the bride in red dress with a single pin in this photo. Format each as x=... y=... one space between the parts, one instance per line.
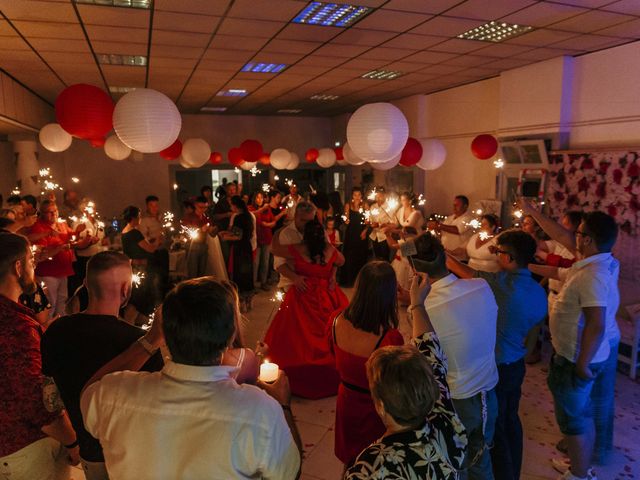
x=297 y=336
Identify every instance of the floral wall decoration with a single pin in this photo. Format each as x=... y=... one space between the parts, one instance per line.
x=607 y=181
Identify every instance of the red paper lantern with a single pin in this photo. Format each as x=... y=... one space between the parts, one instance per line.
x=173 y=151
x=97 y=142
x=235 y=157
x=85 y=111
x=251 y=150
x=411 y=153
x=339 y=154
x=312 y=155
x=265 y=159
x=484 y=146
x=215 y=158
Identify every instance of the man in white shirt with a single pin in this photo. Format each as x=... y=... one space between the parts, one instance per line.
x=455 y=231
x=289 y=235
x=464 y=315
x=191 y=420
x=290 y=202
x=381 y=215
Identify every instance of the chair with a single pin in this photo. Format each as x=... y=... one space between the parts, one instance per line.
x=630 y=339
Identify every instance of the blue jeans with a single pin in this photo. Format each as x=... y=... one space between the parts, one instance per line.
x=480 y=430
x=603 y=405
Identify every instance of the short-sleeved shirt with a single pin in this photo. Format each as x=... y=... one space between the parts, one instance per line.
x=61 y=264
x=131 y=245
x=591 y=282
x=151 y=227
x=73 y=349
x=265 y=234
x=453 y=242
x=522 y=304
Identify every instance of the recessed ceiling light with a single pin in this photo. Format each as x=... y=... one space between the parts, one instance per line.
x=118 y=3
x=289 y=110
x=213 y=109
x=331 y=14
x=495 y=32
x=232 y=92
x=382 y=74
x=323 y=97
x=258 y=67
x=126 y=60
x=121 y=89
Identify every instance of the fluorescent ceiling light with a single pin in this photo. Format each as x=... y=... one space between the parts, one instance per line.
x=121 y=89
x=382 y=74
x=323 y=97
x=495 y=32
x=213 y=109
x=126 y=60
x=232 y=92
x=146 y=4
x=331 y=14
x=259 y=67
x=289 y=110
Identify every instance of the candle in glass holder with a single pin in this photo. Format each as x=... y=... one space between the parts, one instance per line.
x=268 y=372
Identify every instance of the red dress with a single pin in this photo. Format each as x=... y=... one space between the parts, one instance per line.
x=297 y=336
x=357 y=423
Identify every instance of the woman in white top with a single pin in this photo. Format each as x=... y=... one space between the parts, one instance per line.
x=407 y=215
x=479 y=246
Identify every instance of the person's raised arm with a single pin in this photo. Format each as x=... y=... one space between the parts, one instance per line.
x=592 y=335
x=545 y=271
x=552 y=228
x=420 y=288
x=146 y=246
x=460 y=269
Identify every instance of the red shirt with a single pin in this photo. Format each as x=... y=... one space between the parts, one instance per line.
x=60 y=265
x=265 y=234
x=22 y=410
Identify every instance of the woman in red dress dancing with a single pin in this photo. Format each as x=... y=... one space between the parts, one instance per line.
x=297 y=335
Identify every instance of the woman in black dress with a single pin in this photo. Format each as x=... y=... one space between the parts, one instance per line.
x=355 y=247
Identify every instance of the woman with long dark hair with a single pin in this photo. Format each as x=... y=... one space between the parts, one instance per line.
x=297 y=335
x=356 y=243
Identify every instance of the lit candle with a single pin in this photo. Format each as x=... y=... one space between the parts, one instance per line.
x=268 y=372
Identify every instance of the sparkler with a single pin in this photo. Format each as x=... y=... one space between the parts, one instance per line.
x=374 y=211
x=367 y=216
x=421 y=200
x=518 y=214
x=290 y=204
x=478 y=211
x=190 y=233
x=150 y=320
x=75 y=179
x=276 y=178
x=46 y=179
x=167 y=220
x=137 y=279
x=254 y=171
x=392 y=203
x=498 y=163
x=175 y=186
x=289 y=182
x=372 y=195
x=15 y=191
x=475 y=224
x=266 y=187
x=484 y=236
x=236 y=171
x=344 y=218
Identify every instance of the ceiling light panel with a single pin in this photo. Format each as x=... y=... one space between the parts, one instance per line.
x=324 y=97
x=113 y=89
x=232 y=92
x=213 y=109
x=259 y=67
x=495 y=32
x=145 y=4
x=331 y=14
x=126 y=60
x=382 y=74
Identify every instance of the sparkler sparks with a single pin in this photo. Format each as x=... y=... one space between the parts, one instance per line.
x=278 y=296
x=276 y=178
x=344 y=218
x=266 y=187
x=475 y=224
x=518 y=214
x=15 y=191
x=254 y=171
x=167 y=220
x=236 y=171
x=498 y=163
x=484 y=236
x=137 y=278
x=75 y=179
x=289 y=182
x=421 y=200
x=374 y=211
x=190 y=233
x=372 y=195
x=392 y=203
x=175 y=186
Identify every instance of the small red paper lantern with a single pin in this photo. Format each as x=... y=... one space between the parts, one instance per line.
x=251 y=150
x=97 y=142
x=339 y=153
x=85 y=111
x=173 y=151
x=265 y=159
x=235 y=157
x=312 y=155
x=215 y=158
x=484 y=146
x=411 y=153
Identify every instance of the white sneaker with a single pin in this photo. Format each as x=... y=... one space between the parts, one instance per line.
x=567 y=475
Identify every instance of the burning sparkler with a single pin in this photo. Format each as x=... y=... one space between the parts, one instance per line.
x=254 y=171
x=75 y=179
x=175 y=186
x=421 y=200
x=137 y=278
x=498 y=163
x=371 y=195
x=15 y=191
x=276 y=178
x=266 y=187
x=167 y=220
x=484 y=236
x=236 y=171
x=392 y=203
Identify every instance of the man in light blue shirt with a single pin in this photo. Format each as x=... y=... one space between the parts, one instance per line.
x=522 y=304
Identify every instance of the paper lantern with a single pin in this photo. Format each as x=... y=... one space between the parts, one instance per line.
x=115 y=149
x=484 y=146
x=215 y=158
x=137 y=156
x=339 y=153
x=173 y=151
x=434 y=154
x=54 y=138
x=146 y=120
x=311 y=155
x=248 y=165
x=196 y=152
x=264 y=159
x=411 y=153
x=377 y=132
x=235 y=157
x=251 y=150
x=388 y=165
x=97 y=142
x=326 y=157
x=280 y=158
x=342 y=163
x=84 y=111
x=183 y=163
x=294 y=161
x=350 y=156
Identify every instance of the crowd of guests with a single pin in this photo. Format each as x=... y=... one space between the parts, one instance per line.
x=183 y=399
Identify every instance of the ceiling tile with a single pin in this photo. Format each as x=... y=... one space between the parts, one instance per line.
x=458 y=45
x=413 y=41
x=271 y=57
x=39 y=10
x=120 y=48
x=632 y=7
x=488 y=9
x=59 y=45
x=508 y=63
x=430 y=57
x=447 y=26
x=541 y=38
x=206 y=7
x=258 y=28
x=360 y=36
x=49 y=30
x=65 y=58
x=223 y=66
x=226 y=54
x=365 y=64
x=543 y=14
x=265 y=10
x=469 y=60
x=296 y=31
x=128 y=76
x=591 y=21
x=157 y=61
x=99 y=15
x=383 y=53
x=502 y=49
x=589 y=42
x=441 y=69
x=345 y=51
x=539 y=54
x=322 y=61
x=392 y=21
x=187 y=39
x=131 y=35
x=172 y=51
x=238 y=43
x=291 y=46
x=13 y=43
x=185 y=22
x=308 y=69
x=404 y=67
x=628 y=29
x=585 y=3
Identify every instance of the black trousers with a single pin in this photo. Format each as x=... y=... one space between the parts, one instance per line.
x=506 y=455
x=381 y=251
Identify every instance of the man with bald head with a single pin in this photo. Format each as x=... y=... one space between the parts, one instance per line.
x=76 y=346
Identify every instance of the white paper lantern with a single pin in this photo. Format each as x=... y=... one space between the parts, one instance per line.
x=377 y=132
x=54 y=138
x=146 y=120
x=196 y=152
x=294 y=161
x=248 y=165
x=350 y=157
x=137 y=156
x=280 y=158
x=183 y=163
x=387 y=165
x=115 y=149
x=326 y=157
x=434 y=154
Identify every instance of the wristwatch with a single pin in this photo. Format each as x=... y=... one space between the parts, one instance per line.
x=144 y=343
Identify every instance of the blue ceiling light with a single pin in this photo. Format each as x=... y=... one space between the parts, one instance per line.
x=331 y=14
x=256 y=67
x=232 y=92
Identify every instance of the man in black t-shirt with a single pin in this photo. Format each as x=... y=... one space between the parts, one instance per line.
x=76 y=346
x=275 y=200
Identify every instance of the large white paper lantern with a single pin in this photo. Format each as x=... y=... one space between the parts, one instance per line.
x=248 y=165
x=387 y=165
x=280 y=158
x=115 y=149
x=146 y=120
x=294 y=161
x=195 y=152
x=377 y=132
x=434 y=154
x=54 y=138
x=350 y=157
x=326 y=157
